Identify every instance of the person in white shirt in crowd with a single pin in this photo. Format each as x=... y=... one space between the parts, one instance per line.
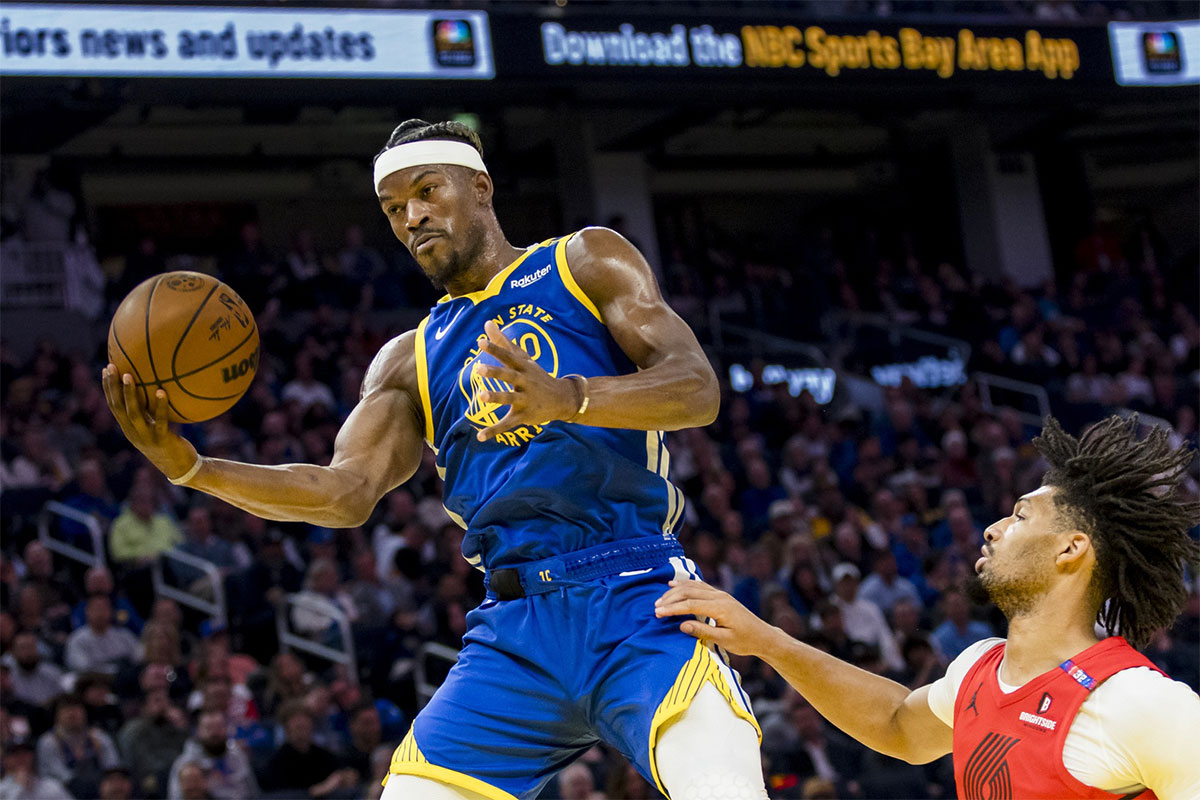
x=99 y=646
x=73 y=753
x=863 y=620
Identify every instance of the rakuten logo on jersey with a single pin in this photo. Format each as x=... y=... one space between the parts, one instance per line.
x=521 y=283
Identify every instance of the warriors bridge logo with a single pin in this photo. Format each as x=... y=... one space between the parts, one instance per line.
x=531 y=337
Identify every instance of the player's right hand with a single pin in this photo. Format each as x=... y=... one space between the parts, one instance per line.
x=170 y=453
x=737 y=629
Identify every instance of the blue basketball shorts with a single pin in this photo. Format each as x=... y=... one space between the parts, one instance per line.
x=543 y=678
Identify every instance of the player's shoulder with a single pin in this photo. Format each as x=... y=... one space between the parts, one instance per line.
x=394 y=366
x=1143 y=690
x=602 y=247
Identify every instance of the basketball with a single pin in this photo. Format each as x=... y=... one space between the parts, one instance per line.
x=191 y=335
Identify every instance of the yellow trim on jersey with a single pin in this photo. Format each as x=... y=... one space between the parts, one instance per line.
x=702 y=668
x=409 y=760
x=560 y=258
x=497 y=282
x=423 y=382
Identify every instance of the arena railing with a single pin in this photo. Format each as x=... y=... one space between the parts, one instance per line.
x=55 y=509
x=760 y=344
x=51 y=275
x=988 y=382
x=346 y=656
x=425 y=688
x=835 y=322
x=1148 y=421
x=212 y=604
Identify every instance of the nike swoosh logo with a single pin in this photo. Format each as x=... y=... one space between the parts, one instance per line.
x=441 y=331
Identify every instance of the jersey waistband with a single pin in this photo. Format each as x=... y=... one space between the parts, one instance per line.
x=549 y=574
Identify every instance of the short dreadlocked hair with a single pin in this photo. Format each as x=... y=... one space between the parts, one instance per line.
x=1122 y=493
x=418 y=130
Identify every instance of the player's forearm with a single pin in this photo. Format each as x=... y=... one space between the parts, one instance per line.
x=325 y=496
x=861 y=704
x=673 y=394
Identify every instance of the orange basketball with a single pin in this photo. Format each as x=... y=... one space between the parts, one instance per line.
x=190 y=334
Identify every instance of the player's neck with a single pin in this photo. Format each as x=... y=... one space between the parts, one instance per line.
x=493 y=255
x=1058 y=627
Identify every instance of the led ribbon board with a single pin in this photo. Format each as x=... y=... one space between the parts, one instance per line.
x=1156 y=53
x=210 y=41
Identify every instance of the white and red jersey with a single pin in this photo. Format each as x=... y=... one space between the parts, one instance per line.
x=1010 y=744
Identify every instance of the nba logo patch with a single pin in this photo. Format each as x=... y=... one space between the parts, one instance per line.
x=453 y=43
x=1160 y=51
x=1044 y=705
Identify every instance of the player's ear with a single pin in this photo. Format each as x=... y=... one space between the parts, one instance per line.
x=1075 y=551
x=483 y=187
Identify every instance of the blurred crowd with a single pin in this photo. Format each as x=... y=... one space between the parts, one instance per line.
x=850 y=528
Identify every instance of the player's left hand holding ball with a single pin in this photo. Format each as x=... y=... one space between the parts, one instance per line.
x=170 y=453
x=737 y=629
x=536 y=397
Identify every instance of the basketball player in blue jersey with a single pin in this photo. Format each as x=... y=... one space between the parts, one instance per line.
x=543 y=381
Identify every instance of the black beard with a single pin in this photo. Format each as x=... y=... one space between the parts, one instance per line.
x=1014 y=598
x=977 y=592
x=451 y=270
x=215 y=750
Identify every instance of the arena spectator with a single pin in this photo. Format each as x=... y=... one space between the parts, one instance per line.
x=99 y=580
x=99 y=702
x=299 y=765
x=54 y=588
x=322 y=590
x=576 y=782
x=153 y=739
x=116 y=783
x=885 y=586
x=73 y=753
x=375 y=599
x=98 y=646
x=34 y=681
x=193 y=783
x=366 y=736
x=200 y=541
x=22 y=780
x=304 y=389
x=958 y=631
x=227 y=769
x=140 y=533
x=286 y=681
x=862 y=619
x=91 y=496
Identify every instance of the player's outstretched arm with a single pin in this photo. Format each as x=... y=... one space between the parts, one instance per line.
x=675 y=386
x=377 y=449
x=880 y=713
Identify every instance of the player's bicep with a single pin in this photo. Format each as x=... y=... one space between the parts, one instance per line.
x=380 y=441
x=615 y=276
x=926 y=737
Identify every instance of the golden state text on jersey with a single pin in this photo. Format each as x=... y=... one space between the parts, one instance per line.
x=537 y=490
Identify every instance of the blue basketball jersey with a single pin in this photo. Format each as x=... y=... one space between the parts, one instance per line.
x=539 y=490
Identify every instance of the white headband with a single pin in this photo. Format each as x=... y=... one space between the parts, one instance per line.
x=432 y=151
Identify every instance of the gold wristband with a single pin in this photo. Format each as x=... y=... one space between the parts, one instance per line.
x=191 y=473
x=583 y=404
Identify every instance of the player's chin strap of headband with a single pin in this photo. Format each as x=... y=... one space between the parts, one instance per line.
x=432 y=151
